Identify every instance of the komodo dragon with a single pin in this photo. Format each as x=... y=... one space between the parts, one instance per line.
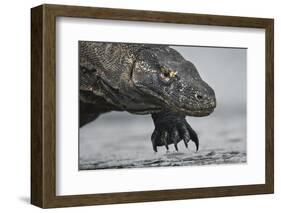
x=143 y=79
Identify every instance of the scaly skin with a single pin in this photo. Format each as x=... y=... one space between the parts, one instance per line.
x=143 y=79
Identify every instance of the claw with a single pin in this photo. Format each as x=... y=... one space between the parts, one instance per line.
x=176 y=147
x=184 y=135
x=185 y=142
x=174 y=138
x=153 y=139
x=196 y=144
x=193 y=136
x=164 y=139
x=153 y=136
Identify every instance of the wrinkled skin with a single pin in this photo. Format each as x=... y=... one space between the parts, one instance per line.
x=144 y=79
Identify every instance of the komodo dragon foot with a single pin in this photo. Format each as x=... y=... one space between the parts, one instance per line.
x=171 y=128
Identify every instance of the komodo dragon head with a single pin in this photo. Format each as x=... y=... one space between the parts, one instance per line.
x=169 y=82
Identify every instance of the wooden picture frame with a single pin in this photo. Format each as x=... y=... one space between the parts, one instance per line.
x=43 y=105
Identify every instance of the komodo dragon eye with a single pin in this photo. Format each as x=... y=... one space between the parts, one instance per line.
x=167 y=75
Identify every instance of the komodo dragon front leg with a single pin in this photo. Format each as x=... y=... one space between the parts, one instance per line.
x=171 y=128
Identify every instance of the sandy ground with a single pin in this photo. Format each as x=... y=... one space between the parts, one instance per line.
x=122 y=140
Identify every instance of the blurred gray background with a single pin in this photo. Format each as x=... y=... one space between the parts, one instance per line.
x=122 y=140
